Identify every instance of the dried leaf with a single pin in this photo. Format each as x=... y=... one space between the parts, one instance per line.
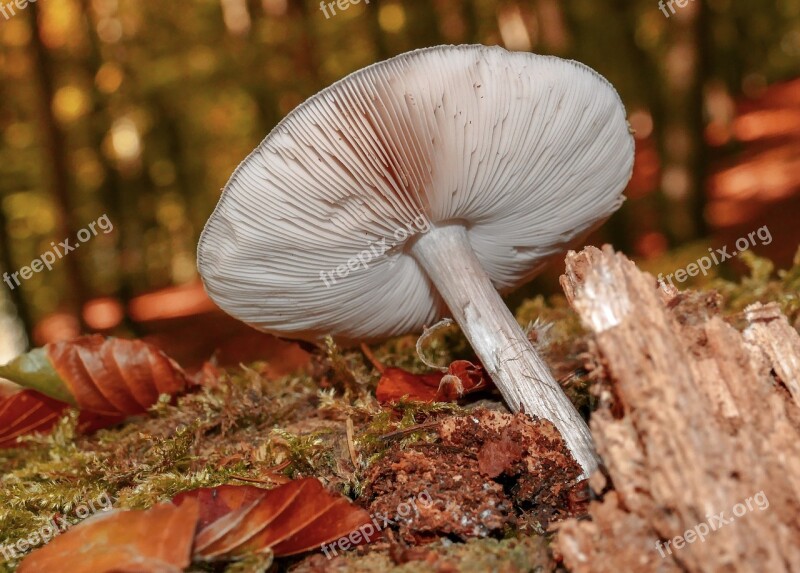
x=34 y=370
x=110 y=376
x=462 y=378
x=158 y=540
x=27 y=412
x=292 y=518
x=216 y=502
x=396 y=383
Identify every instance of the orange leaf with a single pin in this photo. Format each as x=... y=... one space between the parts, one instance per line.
x=115 y=376
x=462 y=377
x=218 y=501
x=289 y=519
x=28 y=411
x=158 y=540
x=396 y=383
x=338 y=520
x=112 y=377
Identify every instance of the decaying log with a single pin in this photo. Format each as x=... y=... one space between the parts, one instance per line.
x=696 y=418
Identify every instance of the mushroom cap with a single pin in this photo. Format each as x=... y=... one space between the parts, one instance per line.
x=528 y=152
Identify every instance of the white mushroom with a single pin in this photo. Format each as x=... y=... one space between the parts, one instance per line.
x=427 y=182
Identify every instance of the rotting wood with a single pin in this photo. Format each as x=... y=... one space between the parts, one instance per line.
x=695 y=418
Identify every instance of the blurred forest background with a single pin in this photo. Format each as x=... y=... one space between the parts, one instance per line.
x=140 y=110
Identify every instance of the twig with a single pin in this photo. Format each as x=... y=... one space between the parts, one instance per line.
x=379 y=366
x=274 y=477
x=412 y=429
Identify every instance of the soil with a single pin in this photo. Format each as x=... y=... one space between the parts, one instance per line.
x=469 y=486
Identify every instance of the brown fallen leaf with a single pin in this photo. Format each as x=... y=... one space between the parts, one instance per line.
x=208 y=376
x=108 y=376
x=158 y=540
x=215 y=502
x=462 y=378
x=28 y=411
x=292 y=518
x=396 y=383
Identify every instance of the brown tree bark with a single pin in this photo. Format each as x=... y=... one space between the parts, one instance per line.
x=57 y=156
x=113 y=190
x=683 y=147
x=696 y=418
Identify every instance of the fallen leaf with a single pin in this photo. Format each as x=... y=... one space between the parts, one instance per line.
x=7 y=389
x=158 y=540
x=292 y=518
x=27 y=411
x=396 y=383
x=112 y=377
x=208 y=376
x=462 y=378
x=216 y=502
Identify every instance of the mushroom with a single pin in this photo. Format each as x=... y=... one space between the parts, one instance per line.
x=423 y=183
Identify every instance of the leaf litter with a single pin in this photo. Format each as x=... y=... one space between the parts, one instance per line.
x=496 y=482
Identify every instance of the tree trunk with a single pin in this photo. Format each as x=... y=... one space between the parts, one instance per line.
x=57 y=155
x=113 y=189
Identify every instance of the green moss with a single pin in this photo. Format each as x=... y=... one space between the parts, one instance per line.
x=252 y=564
x=441 y=347
x=761 y=284
x=764 y=285
x=343 y=377
x=151 y=458
x=310 y=454
x=248 y=425
x=373 y=442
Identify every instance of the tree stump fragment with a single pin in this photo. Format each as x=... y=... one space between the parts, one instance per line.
x=696 y=418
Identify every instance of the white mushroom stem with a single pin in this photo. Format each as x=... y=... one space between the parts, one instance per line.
x=522 y=376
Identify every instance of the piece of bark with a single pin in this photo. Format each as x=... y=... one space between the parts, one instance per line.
x=696 y=417
x=770 y=331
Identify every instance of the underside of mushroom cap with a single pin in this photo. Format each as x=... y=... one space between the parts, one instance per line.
x=528 y=152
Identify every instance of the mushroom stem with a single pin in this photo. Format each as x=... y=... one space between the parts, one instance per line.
x=522 y=376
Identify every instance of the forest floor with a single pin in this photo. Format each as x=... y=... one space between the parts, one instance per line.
x=463 y=486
